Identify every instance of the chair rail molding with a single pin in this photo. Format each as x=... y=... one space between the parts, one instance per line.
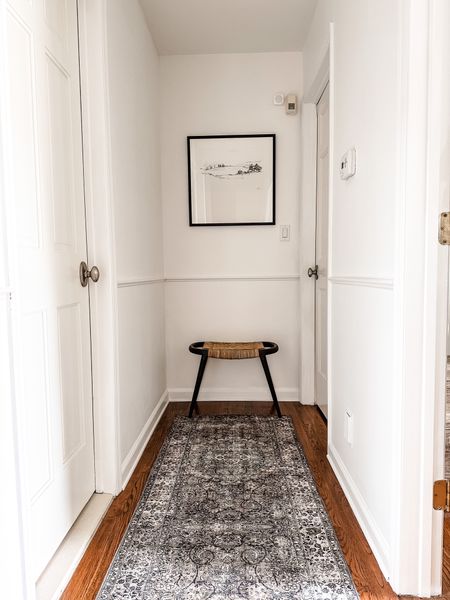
x=386 y=283
x=125 y=282
x=137 y=281
x=206 y=278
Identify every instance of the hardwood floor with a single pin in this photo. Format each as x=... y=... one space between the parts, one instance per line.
x=311 y=431
x=446 y=565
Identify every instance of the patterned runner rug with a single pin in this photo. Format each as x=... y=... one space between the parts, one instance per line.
x=230 y=512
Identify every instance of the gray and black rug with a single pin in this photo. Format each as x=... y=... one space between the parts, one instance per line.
x=230 y=512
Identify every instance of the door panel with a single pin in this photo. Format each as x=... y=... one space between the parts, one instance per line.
x=60 y=144
x=45 y=155
x=55 y=12
x=323 y=135
x=35 y=354
x=71 y=378
x=23 y=151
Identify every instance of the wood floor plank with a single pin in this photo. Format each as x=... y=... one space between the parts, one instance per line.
x=446 y=566
x=312 y=434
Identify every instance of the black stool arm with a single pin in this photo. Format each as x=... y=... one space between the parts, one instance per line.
x=269 y=348
x=197 y=348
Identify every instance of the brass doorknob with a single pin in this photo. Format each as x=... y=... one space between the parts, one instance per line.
x=94 y=274
x=85 y=273
x=314 y=272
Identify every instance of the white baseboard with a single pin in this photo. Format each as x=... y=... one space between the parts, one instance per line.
x=132 y=458
x=60 y=569
x=233 y=394
x=307 y=401
x=375 y=538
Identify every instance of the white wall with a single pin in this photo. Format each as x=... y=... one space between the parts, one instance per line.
x=230 y=283
x=135 y=156
x=366 y=269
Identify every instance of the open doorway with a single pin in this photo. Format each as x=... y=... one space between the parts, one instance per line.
x=320 y=271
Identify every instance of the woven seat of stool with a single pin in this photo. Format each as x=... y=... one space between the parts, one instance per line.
x=233 y=350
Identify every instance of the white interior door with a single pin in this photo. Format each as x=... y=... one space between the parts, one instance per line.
x=323 y=142
x=46 y=190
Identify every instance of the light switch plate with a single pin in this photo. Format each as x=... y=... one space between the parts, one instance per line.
x=285 y=233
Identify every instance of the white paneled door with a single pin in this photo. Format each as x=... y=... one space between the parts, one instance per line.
x=46 y=192
x=323 y=137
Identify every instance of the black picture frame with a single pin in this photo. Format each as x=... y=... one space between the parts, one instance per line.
x=257 y=167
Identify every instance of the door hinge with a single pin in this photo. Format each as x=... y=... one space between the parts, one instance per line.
x=444 y=229
x=441 y=495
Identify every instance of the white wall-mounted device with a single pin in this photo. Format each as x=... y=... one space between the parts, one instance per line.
x=347 y=166
x=278 y=99
x=349 y=427
x=291 y=104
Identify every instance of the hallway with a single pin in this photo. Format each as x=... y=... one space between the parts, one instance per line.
x=259 y=170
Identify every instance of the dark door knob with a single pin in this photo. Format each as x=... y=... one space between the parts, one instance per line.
x=313 y=272
x=85 y=273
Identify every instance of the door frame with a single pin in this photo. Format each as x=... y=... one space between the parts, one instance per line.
x=421 y=277
x=103 y=296
x=436 y=280
x=93 y=40
x=307 y=248
x=328 y=227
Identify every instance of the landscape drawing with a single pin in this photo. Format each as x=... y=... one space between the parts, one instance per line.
x=231 y=179
x=223 y=171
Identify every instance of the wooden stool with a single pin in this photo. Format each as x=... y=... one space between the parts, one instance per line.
x=233 y=351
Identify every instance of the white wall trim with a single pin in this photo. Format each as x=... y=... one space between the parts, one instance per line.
x=135 y=281
x=101 y=240
x=132 y=458
x=247 y=394
x=375 y=538
x=201 y=278
x=372 y=282
x=151 y=280
x=420 y=272
x=321 y=79
x=438 y=185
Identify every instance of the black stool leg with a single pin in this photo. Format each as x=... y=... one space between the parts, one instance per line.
x=270 y=382
x=201 y=370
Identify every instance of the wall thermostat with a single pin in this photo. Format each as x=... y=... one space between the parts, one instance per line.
x=347 y=166
x=291 y=104
x=278 y=99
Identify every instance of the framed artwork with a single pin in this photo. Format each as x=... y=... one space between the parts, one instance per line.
x=231 y=179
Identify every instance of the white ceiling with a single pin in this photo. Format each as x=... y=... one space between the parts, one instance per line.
x=228 y=26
